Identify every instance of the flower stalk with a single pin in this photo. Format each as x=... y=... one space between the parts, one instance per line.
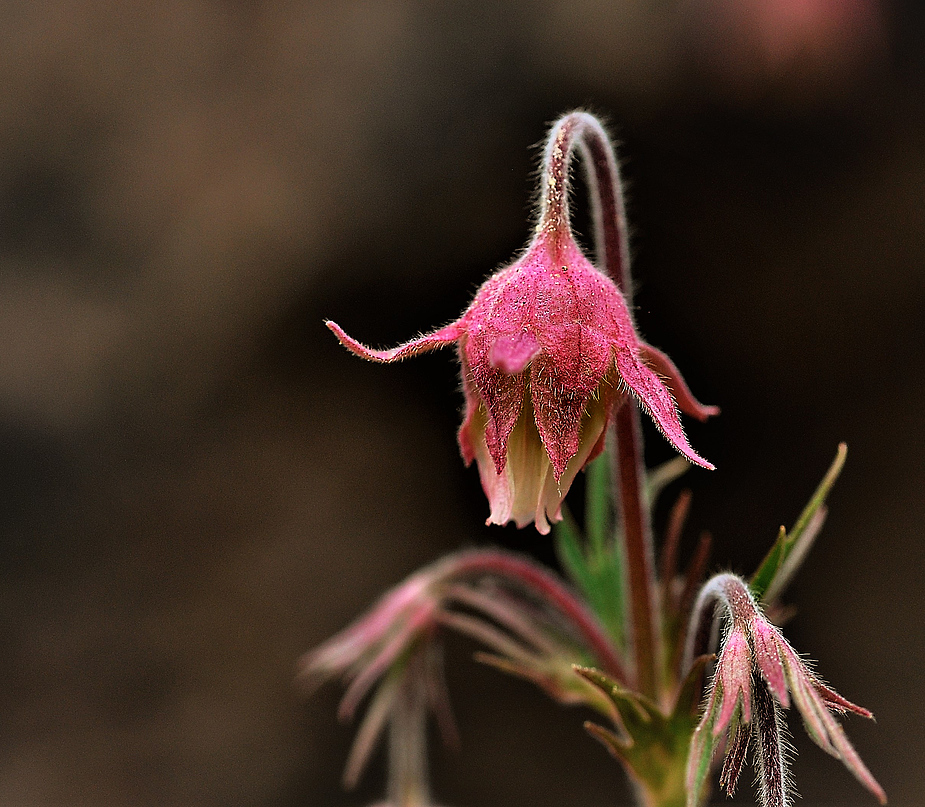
x=583 y=132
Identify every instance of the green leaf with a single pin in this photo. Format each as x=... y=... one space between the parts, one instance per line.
x=609 y=603
x=654 y=746
x=567 y=538
x=703 y=743
x=635 y=711
x=558 y=680
x=764 y=576
x=822 y=491
x=663 y=475
x=766 y=581
x=610 y=741
x=598 y=505
x=595 y=565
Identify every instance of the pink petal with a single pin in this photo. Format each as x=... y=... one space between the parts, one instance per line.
x=496 y=485
x=734 y=671
x=386 y=655
x=852 y=761
x=559 y=413
x=370 y=729
x=666 y=368
x=825 y=730
x=591 y=440
x=472 y=429
x=656 y=400
x=440 y=338
x=811 y=708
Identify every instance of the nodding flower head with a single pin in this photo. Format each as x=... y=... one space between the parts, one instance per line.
x=548 y=349
x=757 y=673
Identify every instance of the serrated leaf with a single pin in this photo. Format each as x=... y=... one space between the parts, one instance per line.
x=559 y=683
x=635 y=710
x=654 y=747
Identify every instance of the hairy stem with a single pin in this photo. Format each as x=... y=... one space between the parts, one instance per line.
x=408 y=775
x=734 y=595
x=581 y=130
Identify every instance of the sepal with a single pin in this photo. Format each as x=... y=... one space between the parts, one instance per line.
x=651 y=745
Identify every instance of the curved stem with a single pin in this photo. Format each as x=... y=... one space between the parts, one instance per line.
x=581 y=130
x=550 y=590
x=735 y=596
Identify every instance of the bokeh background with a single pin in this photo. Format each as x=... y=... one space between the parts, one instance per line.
x=197 y=484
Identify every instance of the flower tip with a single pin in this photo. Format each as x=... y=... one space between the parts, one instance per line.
x=542 y=526
x=667 y=369
x=422 y=344
x=348 y=341
x=696 y=459
x=840 y=704
x=702 y=413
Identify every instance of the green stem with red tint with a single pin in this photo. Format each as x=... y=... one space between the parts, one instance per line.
x=611 y=244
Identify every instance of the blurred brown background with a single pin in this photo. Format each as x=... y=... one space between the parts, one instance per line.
x=197 y=484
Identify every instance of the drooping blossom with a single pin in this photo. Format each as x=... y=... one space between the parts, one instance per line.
x=548 y=349
x=757 y=673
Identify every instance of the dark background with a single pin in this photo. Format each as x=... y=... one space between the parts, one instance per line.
x=197 y=484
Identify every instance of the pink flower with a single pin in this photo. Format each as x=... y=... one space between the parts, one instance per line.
x=390 y=651
x=548 y=350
